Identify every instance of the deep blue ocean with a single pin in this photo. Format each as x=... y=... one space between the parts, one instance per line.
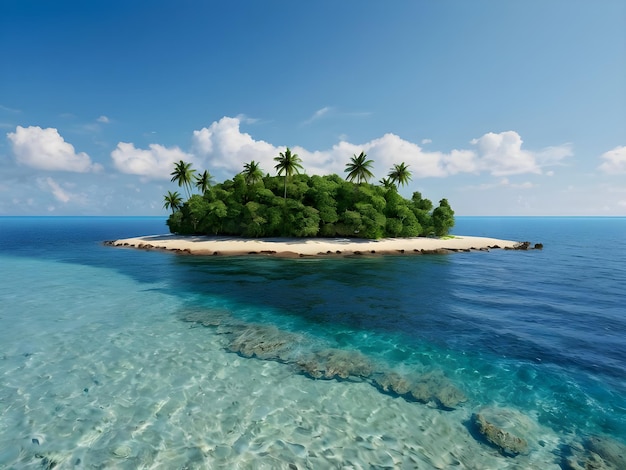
x=98 y=367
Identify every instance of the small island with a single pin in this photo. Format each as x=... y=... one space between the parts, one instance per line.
x=293 y=214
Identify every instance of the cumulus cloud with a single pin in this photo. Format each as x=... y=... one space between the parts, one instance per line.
x=502 y=155
x=45 y=149
x=103 y=119
x=224 y=146
x=614 y=161
x=157 y=162
x=391 y=149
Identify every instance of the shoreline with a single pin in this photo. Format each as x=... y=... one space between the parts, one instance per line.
x=315 y=247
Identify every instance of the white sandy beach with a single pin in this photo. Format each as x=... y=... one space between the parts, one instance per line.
x=294 y=247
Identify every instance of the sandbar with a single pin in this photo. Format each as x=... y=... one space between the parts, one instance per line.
x=318 y=247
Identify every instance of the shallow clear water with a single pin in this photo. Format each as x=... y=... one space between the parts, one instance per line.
x=98 y=367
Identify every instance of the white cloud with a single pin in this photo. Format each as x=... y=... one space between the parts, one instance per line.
x=330 y=111
x=553 y=155
x=155 y=163
x=45 y=149
x=501 y=183
x=103 y=119
x=60 y=194
x=502 y=154
x=391 y=149
x=247 y=119
x=9 y=110
x=57 y=191
x=426 y=141
x=223 y=146
x=614 y=161
x=318 y=114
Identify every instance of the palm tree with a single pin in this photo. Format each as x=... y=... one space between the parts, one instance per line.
x=172 y=201
x=359 y=168
x=204 y=181
x=252 y=172
x=288 y=163
x=183 y=174
x=400 y=174
x=387 y=183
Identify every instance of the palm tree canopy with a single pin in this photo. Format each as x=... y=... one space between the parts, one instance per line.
x=183 y=174
x=288 y=163
x=252 y=172
x=172 y=201
x=400 y=174
x=204 y=181
x=387 y=183
x=359 y=168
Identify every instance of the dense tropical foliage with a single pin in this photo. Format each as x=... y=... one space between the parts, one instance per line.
x=293 y=204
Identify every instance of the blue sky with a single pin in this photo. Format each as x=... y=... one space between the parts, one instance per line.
x=504 y=108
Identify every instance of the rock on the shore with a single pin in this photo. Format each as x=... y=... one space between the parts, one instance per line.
x=502 y=428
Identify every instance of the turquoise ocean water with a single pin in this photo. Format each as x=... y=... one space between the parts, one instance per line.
x=121 y=358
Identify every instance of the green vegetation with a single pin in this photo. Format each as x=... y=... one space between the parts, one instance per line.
x=253 y=205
